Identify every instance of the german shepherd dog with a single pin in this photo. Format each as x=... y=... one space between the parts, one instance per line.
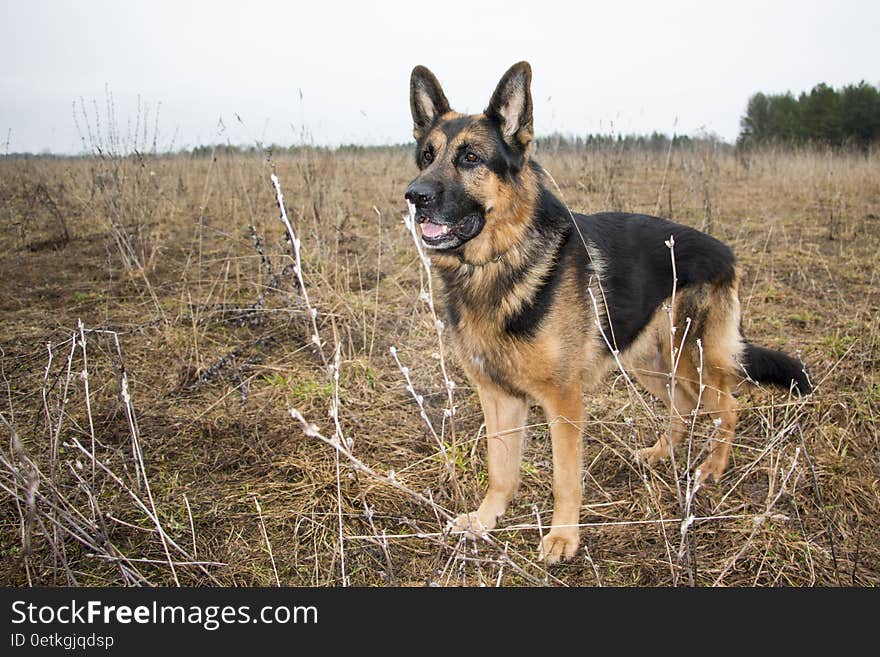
x=541 y=301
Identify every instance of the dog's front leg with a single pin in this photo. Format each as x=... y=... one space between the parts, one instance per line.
x=564 y=409
x=505 y=418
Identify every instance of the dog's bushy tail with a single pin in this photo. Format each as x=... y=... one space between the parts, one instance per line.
x=770 y=366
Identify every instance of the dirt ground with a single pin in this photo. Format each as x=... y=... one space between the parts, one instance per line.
x=153 y=443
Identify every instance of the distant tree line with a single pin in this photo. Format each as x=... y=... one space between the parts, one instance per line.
x=656 y=141
x=209 y=150
x=553 y=143
x=846 y=117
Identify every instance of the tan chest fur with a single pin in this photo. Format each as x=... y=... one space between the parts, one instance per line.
x=562 y=351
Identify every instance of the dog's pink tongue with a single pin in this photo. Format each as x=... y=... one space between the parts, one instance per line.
x=431 y=230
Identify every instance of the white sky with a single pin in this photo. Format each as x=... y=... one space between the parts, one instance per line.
x=616 y=66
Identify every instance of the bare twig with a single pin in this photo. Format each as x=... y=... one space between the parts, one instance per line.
x=266 y=538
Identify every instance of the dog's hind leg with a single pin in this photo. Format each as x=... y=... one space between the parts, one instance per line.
x=723 y=409
x=716 y=399
x=505 y=418
x=722 y=342
x=680 y=408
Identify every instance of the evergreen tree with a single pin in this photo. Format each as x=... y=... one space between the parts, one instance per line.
x=849 y=116
x=860 y=114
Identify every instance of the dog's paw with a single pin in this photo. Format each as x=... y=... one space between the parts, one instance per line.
x=650 y=455
x=709 y=469
x=470 y=524
x=559 y=544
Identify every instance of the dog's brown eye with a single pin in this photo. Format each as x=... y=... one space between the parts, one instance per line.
x=472 y=158
x=428 y=156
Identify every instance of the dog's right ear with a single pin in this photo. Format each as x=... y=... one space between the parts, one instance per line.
x=426 y=100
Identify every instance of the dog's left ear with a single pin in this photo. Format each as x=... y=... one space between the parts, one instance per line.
x=511 y=106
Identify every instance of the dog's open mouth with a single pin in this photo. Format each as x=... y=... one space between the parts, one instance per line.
x=432 y=231
x=439 y=235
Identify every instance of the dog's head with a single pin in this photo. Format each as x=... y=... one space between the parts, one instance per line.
x=470 y=165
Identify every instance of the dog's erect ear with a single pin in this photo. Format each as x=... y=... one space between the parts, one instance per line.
x=426 y=100
x=511 y=106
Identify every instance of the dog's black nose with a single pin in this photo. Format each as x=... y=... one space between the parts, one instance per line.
x=422 y=193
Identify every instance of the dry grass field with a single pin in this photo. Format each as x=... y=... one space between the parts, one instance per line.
x=156 y=338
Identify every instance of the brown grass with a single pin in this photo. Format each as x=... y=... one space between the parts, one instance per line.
x=214 y=341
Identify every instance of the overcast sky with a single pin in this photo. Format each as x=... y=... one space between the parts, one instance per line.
x=339 y=72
